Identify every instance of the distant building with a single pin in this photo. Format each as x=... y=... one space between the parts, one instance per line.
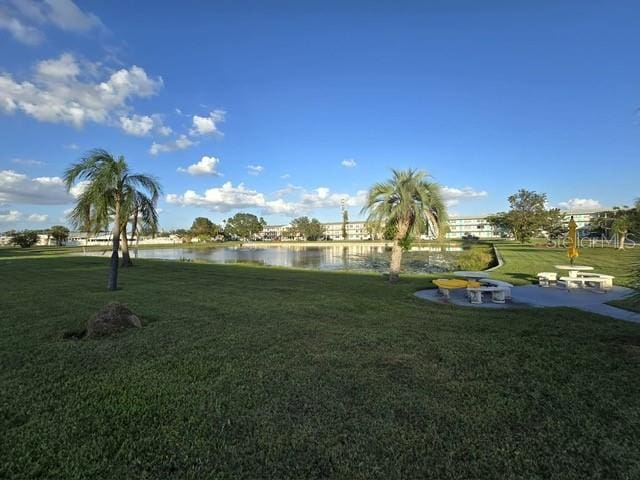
x=332 y=231
x=471 y=225
x=459 y=226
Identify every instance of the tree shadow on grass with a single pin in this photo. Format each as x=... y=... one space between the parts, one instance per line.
x=521 y=276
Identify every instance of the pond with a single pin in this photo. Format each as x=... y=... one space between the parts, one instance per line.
x=321 y=257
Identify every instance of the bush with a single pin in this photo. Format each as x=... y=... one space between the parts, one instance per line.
x=25 y=239
x=474 y=259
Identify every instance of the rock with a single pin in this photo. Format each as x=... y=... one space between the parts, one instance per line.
x=113 y=317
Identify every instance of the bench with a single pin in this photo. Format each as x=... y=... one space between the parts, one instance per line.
x=607 y=282
x=498 y=294
x=445 y=285
x=545 y=279
x=498 y=283
x=578 y=282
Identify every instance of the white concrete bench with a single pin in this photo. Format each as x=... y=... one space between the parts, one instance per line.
x=545 y=279
x=605 y=280
x=498 y=283
x=498 y=294
x=581 y=282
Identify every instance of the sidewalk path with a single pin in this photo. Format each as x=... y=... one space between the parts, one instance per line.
x=535 y=296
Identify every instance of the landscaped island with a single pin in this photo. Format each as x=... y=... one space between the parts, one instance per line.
x=320 y=374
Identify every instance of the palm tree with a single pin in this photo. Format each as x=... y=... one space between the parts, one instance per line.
x=620 y=226
x=411 y=204
x=142 y=209
x=106 y=196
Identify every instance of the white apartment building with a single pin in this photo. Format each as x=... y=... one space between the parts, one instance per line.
x=459 y=226
x=471 y=225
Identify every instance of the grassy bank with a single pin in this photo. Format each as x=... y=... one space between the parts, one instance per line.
x=243 y=372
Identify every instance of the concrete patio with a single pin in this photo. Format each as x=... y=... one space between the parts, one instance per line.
x=538 y=297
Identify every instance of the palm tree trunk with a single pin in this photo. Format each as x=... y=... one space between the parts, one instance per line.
x=134 y=229
x=112 y=284
x=622 y=237
x=396 y=261
x=396 y=252
x=126 y=258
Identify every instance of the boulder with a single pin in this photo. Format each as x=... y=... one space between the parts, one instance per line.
x=113 y=317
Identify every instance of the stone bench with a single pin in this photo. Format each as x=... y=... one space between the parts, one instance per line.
x=498 y=294
x=490 y=282
x=545 y=279
x=581 y=282
x=606 y=280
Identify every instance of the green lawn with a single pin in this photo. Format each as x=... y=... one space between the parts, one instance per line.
x=523 y=262
x=244 y=372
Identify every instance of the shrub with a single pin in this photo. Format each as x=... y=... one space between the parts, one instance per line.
x=25 y=239
x=474 y=259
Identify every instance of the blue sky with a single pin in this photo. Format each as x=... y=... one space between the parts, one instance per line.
x=286 y=108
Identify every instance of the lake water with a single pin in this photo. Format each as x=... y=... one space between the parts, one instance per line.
x=321 y=257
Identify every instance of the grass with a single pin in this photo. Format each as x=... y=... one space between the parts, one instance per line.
x=245 y=372
x=523 y=262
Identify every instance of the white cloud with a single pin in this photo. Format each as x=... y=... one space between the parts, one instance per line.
x=71 y=146
x=141 y=125
x=221 y=199
x=348 y=163
x=181 y=143
x=10 y=215
x=63 y=67
x=288 y=190
x=207 y=125
x=37 y=217
x=580 y=204
x=20 y=17
x=206 y=166
x=452 y=196
x=60 y=92
x=285 y=176
x=20 y=31
x=19 y=188
x=78 y=189
x=27 y=161
x=165 y=131
x=67 y=16
x=322 y=197
x=255 y=169
x=227 y=198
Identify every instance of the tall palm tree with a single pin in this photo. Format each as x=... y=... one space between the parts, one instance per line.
x=109 y=186
x=410 y=204
x=140 y=208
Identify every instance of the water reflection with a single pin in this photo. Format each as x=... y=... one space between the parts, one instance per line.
x=324 y=257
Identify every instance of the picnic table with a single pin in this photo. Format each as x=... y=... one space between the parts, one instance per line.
x=574 y=269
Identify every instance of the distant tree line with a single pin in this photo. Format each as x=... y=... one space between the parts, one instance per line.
x=529 y=217
x=28 y=238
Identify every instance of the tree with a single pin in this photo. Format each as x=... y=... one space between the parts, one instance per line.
x=139 y=209
x=528 y=215
x=411 y=203
x=60 y=234
x=345 y=221
x=204 y=229
x=184 y=235
x=554 y=224
x=308 y=229
x=619 y=222
x=107 y=196
x=244 y=225
x=25 y=239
